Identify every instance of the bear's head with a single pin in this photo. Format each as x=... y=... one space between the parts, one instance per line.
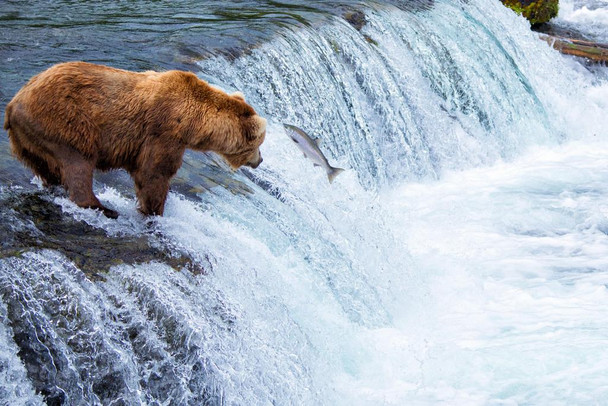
x=223 y=123
x=246 y=151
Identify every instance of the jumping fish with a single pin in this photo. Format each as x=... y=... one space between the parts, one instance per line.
x=310 y=148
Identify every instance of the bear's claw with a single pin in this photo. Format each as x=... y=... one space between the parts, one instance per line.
x=109 y=213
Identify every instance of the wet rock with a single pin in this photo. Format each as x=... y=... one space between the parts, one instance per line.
x=46 y=365
x=202 y=172
x=356 y=18
x=31 y=221
x=536 y=11
x=265 y=185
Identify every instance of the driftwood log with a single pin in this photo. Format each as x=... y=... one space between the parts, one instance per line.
x=593 y=51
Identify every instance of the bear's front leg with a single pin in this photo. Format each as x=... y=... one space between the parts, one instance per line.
x=77 y=179
x=151 y=190
x=159 y=162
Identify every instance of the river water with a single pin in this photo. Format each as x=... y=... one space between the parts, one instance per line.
x=462 y=258
x=588 y=17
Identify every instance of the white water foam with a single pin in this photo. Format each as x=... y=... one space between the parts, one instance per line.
x=514 y=260
x=590 y=17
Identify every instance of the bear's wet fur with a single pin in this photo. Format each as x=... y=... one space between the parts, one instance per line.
x=76 y=117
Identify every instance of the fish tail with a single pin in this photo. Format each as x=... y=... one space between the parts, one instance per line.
x=333 y=172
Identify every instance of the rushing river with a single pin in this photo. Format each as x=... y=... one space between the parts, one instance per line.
x=462 y=258
x=589 y=17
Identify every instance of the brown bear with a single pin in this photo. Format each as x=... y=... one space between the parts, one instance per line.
x=76 y=117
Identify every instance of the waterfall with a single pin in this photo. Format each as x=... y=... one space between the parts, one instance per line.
x=298 y=291
x=412 y=94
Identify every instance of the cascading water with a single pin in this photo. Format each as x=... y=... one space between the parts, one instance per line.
x=404 y=98
x=483 y=286
x=588 y=17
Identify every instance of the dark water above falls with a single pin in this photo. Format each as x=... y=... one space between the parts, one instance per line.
x=461 y=259
x=124 y=33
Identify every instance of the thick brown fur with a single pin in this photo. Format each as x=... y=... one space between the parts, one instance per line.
x=76 y=117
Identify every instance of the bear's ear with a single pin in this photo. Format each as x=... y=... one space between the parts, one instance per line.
x=238 y=95
x=258 y=127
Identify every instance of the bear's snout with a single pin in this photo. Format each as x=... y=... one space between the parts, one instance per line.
x=257 y=163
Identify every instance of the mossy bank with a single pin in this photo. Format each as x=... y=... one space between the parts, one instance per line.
x=537 y=12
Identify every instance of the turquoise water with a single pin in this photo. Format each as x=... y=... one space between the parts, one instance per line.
x=461 y=259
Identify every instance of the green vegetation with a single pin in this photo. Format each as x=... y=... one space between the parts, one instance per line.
x=537 y=12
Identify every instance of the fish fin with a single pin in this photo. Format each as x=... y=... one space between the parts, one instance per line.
x=331 y=175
